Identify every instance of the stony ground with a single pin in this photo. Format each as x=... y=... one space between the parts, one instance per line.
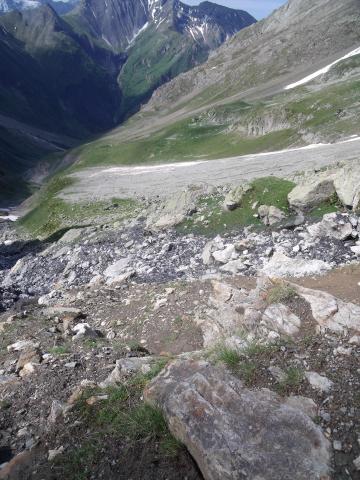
x=74 y=307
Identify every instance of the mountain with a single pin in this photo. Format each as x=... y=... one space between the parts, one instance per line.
x=52 y=82
x=236 y=103
x=80 y=74
x=61 y=6
x=297 y=36
x=162 y=38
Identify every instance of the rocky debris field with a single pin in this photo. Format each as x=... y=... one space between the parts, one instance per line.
x=133 y=350
x=106 y=255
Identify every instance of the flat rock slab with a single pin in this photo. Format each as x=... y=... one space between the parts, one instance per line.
x=235 y=433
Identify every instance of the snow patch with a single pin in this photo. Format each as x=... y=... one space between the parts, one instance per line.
x=322 y=70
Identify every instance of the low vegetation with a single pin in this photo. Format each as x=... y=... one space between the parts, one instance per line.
x=120 y=417
x=212 y=218
x=280 y=292
x=52 y=214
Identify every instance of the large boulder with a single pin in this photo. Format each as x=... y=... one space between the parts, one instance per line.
x=280 y=265
x=330 y=312
x=174 y=210
x=234 y=198
x=333 y=225
x=312 y=191
x=235 y=433
x=347 y=184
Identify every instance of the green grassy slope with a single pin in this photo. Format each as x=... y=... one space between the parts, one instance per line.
x=325 y=110
x=156 y=56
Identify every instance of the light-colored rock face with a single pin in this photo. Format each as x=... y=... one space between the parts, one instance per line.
x=234 y=198
x=311 y=193
x=347 y=184
x=233 y=432
x=270 y=214
x=332 y=226
x=174 y=210
x=281 y=265
x=330 y=312
x=280 y=319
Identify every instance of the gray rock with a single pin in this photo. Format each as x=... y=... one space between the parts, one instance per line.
x=281 y=265
x=305 y=404
x=233 y=432
x=223 y=256
x=71 y=235
x=270 y=215
x=313 y=192
x=332 y=225
x=347 y=184
x=126 y=367
x=83 y=330
x=174 y=210
x=323 y=384
x=330 y=312
x=234 y=198
x=279 y=318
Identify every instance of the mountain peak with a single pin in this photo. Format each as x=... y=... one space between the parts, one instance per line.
x=119 y=22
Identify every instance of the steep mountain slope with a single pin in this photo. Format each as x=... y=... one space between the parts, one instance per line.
x=52 y=79
x=60 y=74
x=226 y=107
x=162 y=38
x=297 y=36
x=61 y=6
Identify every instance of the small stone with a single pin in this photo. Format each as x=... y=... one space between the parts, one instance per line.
x=337 y=445
x=54 y=453
x=96 y=399
x=71 y=365
x=318 y=382
x=355 y=340
x=356 y=463
x=342 y=351
x=56 y=412
x=22 y=345
x=160 y=303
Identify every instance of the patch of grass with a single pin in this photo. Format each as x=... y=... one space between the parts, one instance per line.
x=293 y=380
x=59 y=350
x=280 y=292
x=247 y=371
x=330 y=206
x=52 y=214
x=264 y=191
x=183 y=141
x=78 y=464
x=230 y=357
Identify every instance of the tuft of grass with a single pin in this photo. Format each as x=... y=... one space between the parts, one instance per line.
x=293 y=380
x=280 y=292
x=59 y=350
x=78 y=463
x=230 y=357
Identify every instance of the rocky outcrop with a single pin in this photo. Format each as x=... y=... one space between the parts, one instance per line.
x=233 y=432
x=234 y=198
x=280 y=265
x=174 y=210
x=336 y=226
x=330 y=312
x=312 y=192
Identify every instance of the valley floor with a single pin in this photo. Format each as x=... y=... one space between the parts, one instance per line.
x=104 y=183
